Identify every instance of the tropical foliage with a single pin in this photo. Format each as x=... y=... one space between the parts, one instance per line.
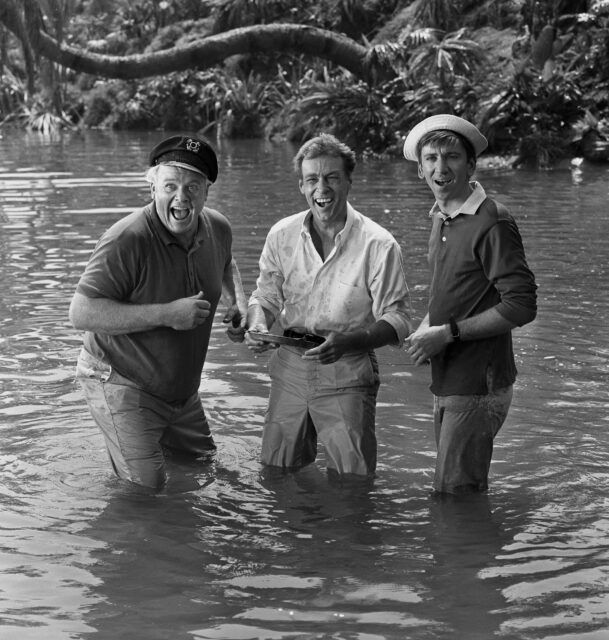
x=533 y=74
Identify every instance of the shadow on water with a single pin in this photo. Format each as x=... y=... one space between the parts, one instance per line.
x=229 y=552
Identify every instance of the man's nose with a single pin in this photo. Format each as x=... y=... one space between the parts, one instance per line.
x=181 y=194
x=441 y=164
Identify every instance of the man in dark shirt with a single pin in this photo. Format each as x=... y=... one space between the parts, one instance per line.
x=481 y=288
x=146 y=302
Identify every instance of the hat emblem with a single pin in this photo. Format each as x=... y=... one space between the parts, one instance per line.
x=193 y=145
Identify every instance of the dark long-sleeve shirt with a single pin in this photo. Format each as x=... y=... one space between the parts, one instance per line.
x=478 y=262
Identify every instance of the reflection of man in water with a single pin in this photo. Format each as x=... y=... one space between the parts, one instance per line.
x=334 y=273
x=147 y=300
x=481 y=289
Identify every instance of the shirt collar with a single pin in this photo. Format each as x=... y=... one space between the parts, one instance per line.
x=306 y=223
x=167 y=237
x=469 y=207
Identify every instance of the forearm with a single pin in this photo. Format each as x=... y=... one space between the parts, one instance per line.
x=258 y=317
x=102 y=315
x=424 y=323
x=487 y=324
x=428 y=340
x=232 y=288
x=377 y=335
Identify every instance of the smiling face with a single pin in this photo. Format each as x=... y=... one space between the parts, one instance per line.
x=447 y=170
x=179 y=196
x=325 y=184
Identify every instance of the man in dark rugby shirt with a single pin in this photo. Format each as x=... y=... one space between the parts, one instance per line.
x=146 y=302
x=481 y=288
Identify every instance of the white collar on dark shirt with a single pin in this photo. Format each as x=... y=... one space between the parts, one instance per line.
x=469 y=207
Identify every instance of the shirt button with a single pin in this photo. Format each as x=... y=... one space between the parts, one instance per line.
x=443 y=238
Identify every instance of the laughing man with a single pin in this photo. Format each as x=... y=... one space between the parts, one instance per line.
x=332 y=273
x=481 y=289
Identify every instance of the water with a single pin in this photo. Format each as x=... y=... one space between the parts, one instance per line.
x=226 y=553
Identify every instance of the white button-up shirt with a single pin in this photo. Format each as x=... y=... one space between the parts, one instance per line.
x=360 y=282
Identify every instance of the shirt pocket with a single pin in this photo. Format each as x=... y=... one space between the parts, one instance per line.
x=351 y=298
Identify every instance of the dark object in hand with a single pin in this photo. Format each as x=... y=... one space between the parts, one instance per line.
x=303 y=341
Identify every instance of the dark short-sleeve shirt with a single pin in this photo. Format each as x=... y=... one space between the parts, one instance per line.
x=477 y=263
x=137 y=261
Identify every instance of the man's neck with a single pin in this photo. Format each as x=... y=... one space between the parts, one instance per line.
x=450 y=205
x=323 y=235
x=328 y=231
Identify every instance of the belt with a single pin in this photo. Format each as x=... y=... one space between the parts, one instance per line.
x=306 y=337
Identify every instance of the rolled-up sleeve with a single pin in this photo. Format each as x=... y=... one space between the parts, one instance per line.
x=360 y=282
x=389 y=291
x=505 y=265
x=269 y=285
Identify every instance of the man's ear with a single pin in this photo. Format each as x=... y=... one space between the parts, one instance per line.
x=420 y=171
x=152 y=190
x=471 y=167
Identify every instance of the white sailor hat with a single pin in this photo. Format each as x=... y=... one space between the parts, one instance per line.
x=443 y=122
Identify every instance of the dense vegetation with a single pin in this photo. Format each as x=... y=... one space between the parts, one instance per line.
x=533 y=74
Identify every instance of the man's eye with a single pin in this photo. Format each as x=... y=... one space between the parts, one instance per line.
x=169 y=188
x=194 y=188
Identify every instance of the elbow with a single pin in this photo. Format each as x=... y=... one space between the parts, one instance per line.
x=75 y=320
x=529 y=311
x=529 y=317
x=73 y=316
x=519 y=309
x=525 y=315
x=77 y=315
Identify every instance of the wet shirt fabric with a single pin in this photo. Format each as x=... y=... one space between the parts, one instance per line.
x=138 y=261
x=477 y=262
x=360 y=282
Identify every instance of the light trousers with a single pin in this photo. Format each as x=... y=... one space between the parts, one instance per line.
x=138 y=426
x=335 y=403
x=465 y=428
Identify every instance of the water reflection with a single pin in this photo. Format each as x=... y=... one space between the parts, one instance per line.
x=228 y=552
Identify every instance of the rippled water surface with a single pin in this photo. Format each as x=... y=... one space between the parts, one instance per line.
x=226 y=553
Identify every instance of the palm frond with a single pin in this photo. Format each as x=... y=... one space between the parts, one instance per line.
x=418 y=37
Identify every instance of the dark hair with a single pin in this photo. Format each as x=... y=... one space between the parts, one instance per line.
x=325 y=144
x=446 y=136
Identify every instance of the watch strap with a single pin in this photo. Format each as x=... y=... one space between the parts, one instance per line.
x=454 y=329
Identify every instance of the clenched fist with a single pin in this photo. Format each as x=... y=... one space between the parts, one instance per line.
x=187 y=313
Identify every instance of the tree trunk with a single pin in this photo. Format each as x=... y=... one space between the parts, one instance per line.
x=208 y=52
x=10 y=17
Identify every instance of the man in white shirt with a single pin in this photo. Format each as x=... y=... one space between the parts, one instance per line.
x=331 y=272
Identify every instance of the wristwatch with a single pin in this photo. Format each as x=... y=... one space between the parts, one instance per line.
x=454 y=329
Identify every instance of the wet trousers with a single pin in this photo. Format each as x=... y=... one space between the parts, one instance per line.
x=138 y=426
x=333 y=402
x=465 y=427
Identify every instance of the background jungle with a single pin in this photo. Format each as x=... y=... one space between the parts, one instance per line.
x=533 y=75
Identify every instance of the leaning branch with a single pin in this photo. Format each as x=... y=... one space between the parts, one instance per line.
x=211 y=51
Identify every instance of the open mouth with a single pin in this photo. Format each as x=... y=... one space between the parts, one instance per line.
x=442 y=183
x=323 y=202
x=179 y=213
